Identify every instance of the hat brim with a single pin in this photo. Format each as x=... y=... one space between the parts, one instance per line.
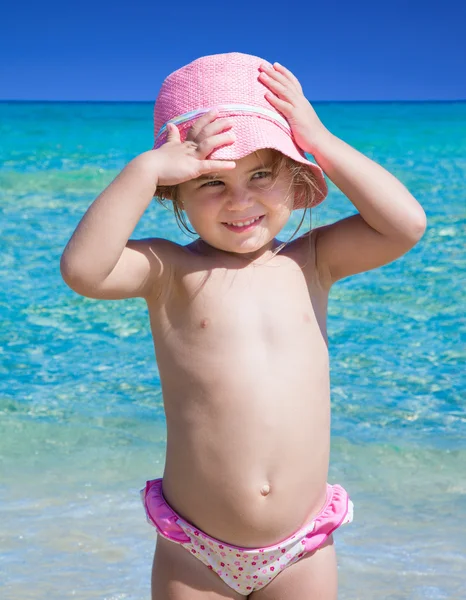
x=254 y=133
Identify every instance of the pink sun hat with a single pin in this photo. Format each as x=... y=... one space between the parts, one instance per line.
x=230 y=83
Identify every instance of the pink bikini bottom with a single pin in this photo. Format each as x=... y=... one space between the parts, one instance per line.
x=246 y=569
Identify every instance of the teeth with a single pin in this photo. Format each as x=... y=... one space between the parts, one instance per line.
x=242 y=224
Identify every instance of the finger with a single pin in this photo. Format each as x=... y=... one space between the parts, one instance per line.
x=277 y=76
x=192 y=146
x=275 y=86
x=173 y=133
x=217 y=126
x=281 y=105
x=280 y=85
x=201 y=122
x=212 y=166
x=287 y=73
x=209 y=144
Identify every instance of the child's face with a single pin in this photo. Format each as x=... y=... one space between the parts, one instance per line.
x=249 y=191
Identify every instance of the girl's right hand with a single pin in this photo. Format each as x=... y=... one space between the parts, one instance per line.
x=177 y=161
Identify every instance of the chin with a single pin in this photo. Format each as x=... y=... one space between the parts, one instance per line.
x=251 y=250
x=248 y=245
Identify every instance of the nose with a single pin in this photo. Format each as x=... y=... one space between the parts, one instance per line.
x=239 y=198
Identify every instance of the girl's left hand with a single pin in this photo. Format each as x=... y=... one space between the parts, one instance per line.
x=286 y=95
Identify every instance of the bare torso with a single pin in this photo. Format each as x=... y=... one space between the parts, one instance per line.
x=243 y=359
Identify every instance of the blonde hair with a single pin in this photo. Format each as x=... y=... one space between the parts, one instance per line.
x=303 y=183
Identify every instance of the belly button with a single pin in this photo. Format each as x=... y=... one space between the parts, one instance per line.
x=265 y=489
x=204 y=323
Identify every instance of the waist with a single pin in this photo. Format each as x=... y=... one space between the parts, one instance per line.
x=244 y=503
x=335 y=510
x=247 y=468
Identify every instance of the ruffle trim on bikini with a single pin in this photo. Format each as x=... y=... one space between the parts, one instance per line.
x=160 y=514
x=337 y=510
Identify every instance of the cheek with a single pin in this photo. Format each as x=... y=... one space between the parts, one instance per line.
x=283 y=198
x=200 y=210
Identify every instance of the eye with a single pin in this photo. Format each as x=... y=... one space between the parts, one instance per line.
x=212 y=183
x=262 y=175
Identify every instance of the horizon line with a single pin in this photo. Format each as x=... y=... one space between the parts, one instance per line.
x=429 y=101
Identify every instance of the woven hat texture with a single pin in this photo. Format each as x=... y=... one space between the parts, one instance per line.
x=229 y=82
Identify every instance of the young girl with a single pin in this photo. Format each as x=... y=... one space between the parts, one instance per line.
x=239 y=322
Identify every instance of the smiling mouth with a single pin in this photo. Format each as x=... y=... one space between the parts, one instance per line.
x=243 y=225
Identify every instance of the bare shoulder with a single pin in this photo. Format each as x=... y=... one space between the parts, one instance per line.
x=172 y=262
x=161 y=258
x=144 y=270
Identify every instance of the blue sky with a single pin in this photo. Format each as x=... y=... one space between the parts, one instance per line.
x=340 y=50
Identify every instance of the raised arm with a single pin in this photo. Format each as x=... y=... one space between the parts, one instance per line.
x=100 y=261
x=389 y=221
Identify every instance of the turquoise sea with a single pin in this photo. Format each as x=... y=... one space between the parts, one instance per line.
x=81 y=419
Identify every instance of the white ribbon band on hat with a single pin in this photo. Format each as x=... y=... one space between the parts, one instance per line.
x=228 y=108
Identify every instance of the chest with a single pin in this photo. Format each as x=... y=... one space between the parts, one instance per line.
x=267 y=303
